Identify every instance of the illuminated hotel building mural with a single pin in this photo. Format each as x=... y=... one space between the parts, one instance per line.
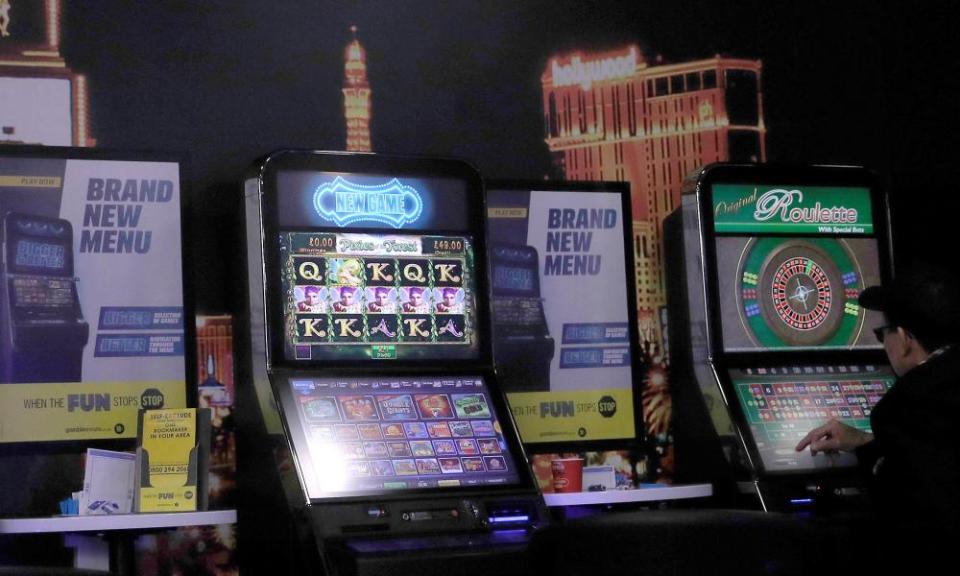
x=356 y=96
x=611 y=116
x=43 y=101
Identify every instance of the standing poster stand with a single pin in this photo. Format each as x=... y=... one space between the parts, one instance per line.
x=96 y=314
x=96 y=319
x=564 y=312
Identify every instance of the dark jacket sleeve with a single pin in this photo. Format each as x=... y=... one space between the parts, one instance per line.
x=867 y=457
x=918 y=479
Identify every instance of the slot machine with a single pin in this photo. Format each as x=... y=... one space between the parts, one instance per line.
x=368 y=302
x=524 y=347
x=768 y=338
x=44 y=331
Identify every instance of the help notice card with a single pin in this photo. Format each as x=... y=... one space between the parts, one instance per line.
x=172 y=457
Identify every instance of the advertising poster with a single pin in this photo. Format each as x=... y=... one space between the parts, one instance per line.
x=560 y=313
x=91 y=296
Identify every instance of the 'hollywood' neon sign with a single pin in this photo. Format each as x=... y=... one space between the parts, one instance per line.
x=346 y=203
x=586 y=73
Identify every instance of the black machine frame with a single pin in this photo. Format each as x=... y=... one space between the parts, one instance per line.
x=281 y=369
x=638 y=440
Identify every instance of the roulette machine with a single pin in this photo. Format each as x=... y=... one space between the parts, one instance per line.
x=369 y=305
x=765 y=267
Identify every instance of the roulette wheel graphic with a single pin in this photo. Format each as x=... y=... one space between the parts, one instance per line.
x=799 y=292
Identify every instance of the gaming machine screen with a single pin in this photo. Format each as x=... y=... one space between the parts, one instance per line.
x=43 y=263
x=310 y=198
x=514 y=279
x=367 y=435
x=791 y=263
x=376 y=268
x=782 y=404
x=378 y=296
x=43 y=257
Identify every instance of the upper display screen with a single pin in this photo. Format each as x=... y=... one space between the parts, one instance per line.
x=40 y=255
x=514 y=279
x=378 y=296
x=39 y=245
x=791 y=263
x=780 y=293
x=341 y=200
x=375 y=435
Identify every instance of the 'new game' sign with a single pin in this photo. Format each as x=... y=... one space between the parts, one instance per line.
x=346 y=203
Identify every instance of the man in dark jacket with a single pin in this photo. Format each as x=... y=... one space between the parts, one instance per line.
x=911 y=461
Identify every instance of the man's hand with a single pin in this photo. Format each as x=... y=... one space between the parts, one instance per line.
x=832 y=437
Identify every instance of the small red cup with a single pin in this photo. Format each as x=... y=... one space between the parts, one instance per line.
x=567 y=474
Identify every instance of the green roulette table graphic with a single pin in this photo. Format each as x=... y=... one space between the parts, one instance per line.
x=799 y=292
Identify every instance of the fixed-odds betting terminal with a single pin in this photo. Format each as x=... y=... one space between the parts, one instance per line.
x=767 y=335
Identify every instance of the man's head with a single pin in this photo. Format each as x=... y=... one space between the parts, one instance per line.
x=381 y=295
x=449 y=296
x=416 y=295
x=346 y=295
x=312 y=295
x=921 y=309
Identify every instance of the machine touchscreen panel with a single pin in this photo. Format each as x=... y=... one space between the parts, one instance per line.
x=782 y=404
x=379 y=434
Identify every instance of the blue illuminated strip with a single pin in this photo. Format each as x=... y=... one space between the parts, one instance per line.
x=509 y=519
x=346 y=203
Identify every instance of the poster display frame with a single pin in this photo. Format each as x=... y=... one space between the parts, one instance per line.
x=637 y=367
x=181 y=160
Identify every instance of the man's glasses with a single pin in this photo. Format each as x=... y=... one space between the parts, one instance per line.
x=881 y=332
